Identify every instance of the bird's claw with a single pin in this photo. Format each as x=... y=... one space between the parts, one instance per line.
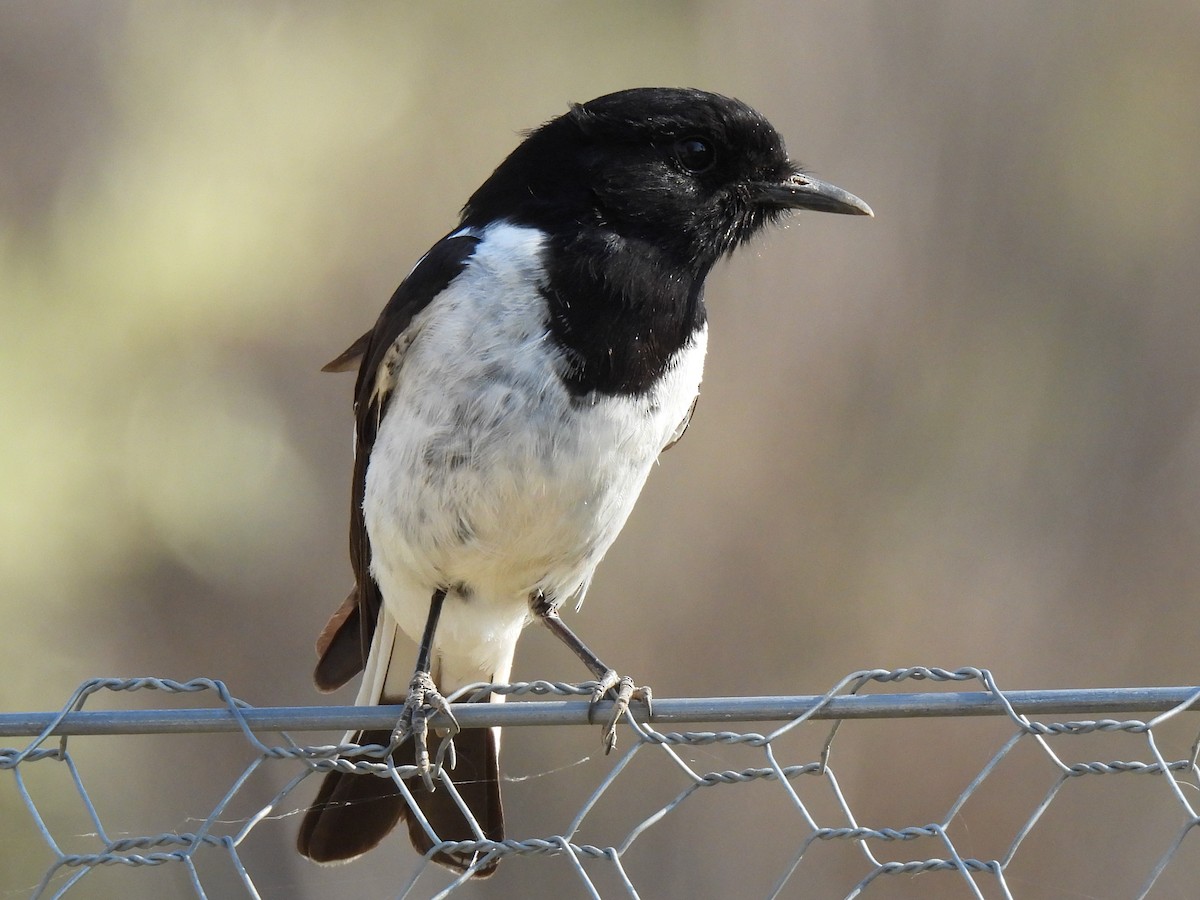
x=624 y=690
x=424 y=700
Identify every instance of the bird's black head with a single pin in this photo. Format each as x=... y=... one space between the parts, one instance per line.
x=682 y=172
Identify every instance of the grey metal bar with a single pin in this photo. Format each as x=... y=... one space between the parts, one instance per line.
x=714 y=710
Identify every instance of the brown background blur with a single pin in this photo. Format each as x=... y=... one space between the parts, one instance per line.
x=963 y=433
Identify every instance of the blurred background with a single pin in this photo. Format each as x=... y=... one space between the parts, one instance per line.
x=963 y=433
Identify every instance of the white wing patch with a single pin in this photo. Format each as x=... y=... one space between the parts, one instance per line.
x=388 y=372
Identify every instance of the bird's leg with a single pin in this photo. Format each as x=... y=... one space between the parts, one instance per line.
x=424 y=698
x=623 y=687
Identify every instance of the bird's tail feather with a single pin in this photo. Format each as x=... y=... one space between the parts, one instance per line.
x=353 y=813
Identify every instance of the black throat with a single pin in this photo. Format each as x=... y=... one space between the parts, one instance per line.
x=619 y=310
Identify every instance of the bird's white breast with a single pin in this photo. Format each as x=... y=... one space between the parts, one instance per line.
x=486 y=474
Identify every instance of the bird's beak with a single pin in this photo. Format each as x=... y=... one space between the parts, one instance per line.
x=805 y=192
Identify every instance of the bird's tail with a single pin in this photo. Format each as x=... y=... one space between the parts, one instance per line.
x=352 y=813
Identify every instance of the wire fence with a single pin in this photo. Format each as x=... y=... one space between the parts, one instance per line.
x=1045 y=757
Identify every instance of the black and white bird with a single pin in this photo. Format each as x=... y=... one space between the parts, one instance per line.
x=510 y=402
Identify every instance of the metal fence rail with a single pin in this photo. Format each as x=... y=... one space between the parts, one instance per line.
x=52 y=736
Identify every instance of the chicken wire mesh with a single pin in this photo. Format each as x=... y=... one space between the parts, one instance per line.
x=1042 y=759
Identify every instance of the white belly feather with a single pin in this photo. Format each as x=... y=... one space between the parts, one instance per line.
x=488 y=477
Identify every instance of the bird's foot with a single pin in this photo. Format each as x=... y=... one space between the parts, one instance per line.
x=623 y=690
x=424 y=701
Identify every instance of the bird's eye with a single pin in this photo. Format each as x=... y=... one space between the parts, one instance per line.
x=695 y=154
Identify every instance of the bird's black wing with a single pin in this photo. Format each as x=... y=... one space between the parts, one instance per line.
x=345 y=642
